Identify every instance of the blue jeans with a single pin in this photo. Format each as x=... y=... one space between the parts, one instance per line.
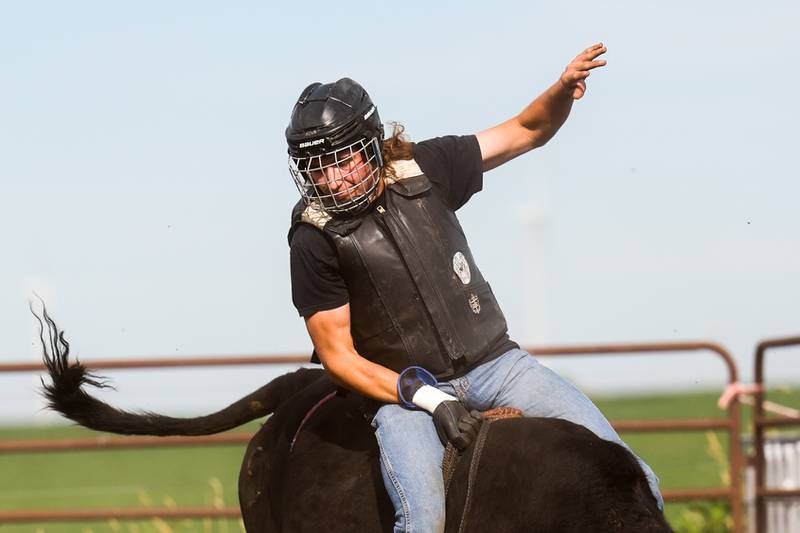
x=411 y=453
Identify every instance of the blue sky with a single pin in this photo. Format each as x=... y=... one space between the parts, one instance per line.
x=144 y=190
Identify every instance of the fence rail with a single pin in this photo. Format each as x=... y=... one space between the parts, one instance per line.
x=121 y=513
x=118 y=443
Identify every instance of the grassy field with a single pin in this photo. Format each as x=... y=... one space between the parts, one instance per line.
x=207 y=475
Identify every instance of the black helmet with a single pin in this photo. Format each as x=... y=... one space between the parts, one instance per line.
x=330 y=116
x=335 y=138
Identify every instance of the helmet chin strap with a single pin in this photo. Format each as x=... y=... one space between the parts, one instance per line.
x=376 y=145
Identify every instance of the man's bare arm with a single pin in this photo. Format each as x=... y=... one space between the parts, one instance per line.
x=543 y=117
x=330 y=333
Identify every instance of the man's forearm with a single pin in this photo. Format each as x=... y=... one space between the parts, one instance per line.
x=330 y=333
x=362 y=376
x=543 y=117
x=546 y=114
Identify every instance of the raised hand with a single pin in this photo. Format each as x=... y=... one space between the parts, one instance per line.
x=574 y=76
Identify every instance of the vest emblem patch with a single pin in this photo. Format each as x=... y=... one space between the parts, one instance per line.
x=474 y=303
x=461 y=268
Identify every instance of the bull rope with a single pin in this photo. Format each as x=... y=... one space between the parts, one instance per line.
x=452 y=457
x=308 y=416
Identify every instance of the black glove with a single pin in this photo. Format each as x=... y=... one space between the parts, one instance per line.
x=454 y=424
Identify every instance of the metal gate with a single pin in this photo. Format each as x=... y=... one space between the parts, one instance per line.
x=774 y=487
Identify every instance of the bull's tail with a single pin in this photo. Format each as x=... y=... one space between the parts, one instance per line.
x=67 y=396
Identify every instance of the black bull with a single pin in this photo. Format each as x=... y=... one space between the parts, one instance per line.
x=533 y=474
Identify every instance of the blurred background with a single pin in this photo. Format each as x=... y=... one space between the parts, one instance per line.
x=145 y=193
x=144 y=190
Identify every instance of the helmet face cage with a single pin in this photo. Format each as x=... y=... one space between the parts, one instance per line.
x=343 y=181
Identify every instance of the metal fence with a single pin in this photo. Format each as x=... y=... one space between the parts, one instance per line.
x=730 y=423
x=775 y=461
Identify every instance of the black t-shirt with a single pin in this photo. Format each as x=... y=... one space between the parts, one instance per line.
x=454 y=166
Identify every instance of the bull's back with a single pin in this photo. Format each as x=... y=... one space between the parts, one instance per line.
x=544 y=475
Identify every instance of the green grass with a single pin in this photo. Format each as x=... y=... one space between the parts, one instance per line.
x=685 y=460
x=207 y=475
x=184 y=476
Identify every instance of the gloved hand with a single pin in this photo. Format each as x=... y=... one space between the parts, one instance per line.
x=416 y=387
x=454 y=424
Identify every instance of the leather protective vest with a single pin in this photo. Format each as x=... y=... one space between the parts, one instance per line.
x=416 y=294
